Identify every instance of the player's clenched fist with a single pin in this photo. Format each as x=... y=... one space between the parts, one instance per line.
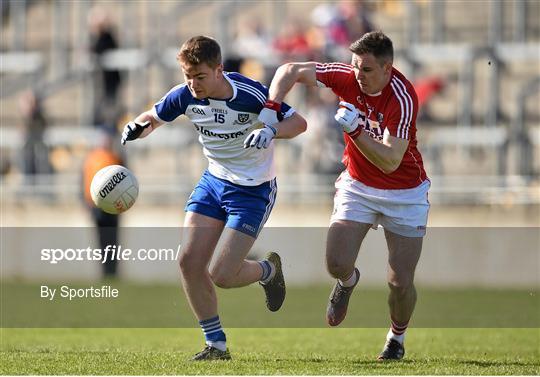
x=133 y=130
x=348 y=117
x=260 y=138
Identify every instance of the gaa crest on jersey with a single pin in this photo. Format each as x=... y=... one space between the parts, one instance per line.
x=380 y=118
x=243 y=118
x=370 y=110
x=198 y=110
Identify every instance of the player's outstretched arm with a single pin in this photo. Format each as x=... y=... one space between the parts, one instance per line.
x=141 y=127
x=284 y=79
x=289 y=74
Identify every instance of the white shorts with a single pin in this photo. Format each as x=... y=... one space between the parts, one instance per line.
x=403 y=212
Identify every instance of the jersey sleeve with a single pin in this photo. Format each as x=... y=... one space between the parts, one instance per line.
x=401 y=115
x=172 y=105
x=286 y=109
x=333 y=75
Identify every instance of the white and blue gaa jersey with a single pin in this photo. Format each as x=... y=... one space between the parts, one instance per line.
x=223 y=125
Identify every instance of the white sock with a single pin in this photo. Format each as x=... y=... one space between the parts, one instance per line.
x=399 y=338
x=269 y=271
x=220 y=345
x=350 y=281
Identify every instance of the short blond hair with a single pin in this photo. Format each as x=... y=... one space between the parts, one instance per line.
x=200 y=49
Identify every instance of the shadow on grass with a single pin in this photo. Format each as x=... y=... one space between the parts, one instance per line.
x=330 y=360
x=376 y=362
x=495 y=363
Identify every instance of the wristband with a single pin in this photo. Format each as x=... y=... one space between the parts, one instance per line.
x=272 y=128
x=272 y=105
x=353 y=135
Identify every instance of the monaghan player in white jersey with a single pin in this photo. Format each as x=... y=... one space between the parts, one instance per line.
x=235 y=195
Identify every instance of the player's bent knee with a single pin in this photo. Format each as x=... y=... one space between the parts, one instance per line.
x=221 y=280
x=401 y=288
x=338 y=269
x=189 y=263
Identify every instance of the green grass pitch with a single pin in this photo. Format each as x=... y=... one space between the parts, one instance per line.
x=268 y=352
x=152 y=332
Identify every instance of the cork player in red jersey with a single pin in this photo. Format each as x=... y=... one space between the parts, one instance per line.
x=384 y=182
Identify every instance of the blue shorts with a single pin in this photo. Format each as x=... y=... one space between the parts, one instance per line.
x=244 y=208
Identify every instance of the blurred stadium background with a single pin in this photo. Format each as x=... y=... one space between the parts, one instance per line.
x=475 y=64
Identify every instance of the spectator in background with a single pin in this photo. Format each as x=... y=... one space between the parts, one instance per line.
x=253 y=57
x=292 y=42
x=106 y=224
x=107 y=82
x=252 y=40
x=35 y=154
x=426 y=89
x=355 y=16
x=327 y=19
x=5 y=163
x=335 y=26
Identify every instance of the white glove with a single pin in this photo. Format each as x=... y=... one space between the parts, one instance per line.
x=348 y=116
x=269 y=116
x=260 y=137
x=133 y=130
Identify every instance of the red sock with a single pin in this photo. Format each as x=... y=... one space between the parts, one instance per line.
x=399 y=328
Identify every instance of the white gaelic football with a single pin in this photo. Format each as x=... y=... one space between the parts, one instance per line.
x=114 y=189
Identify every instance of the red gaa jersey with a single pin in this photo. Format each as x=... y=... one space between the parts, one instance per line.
x=392 y=111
